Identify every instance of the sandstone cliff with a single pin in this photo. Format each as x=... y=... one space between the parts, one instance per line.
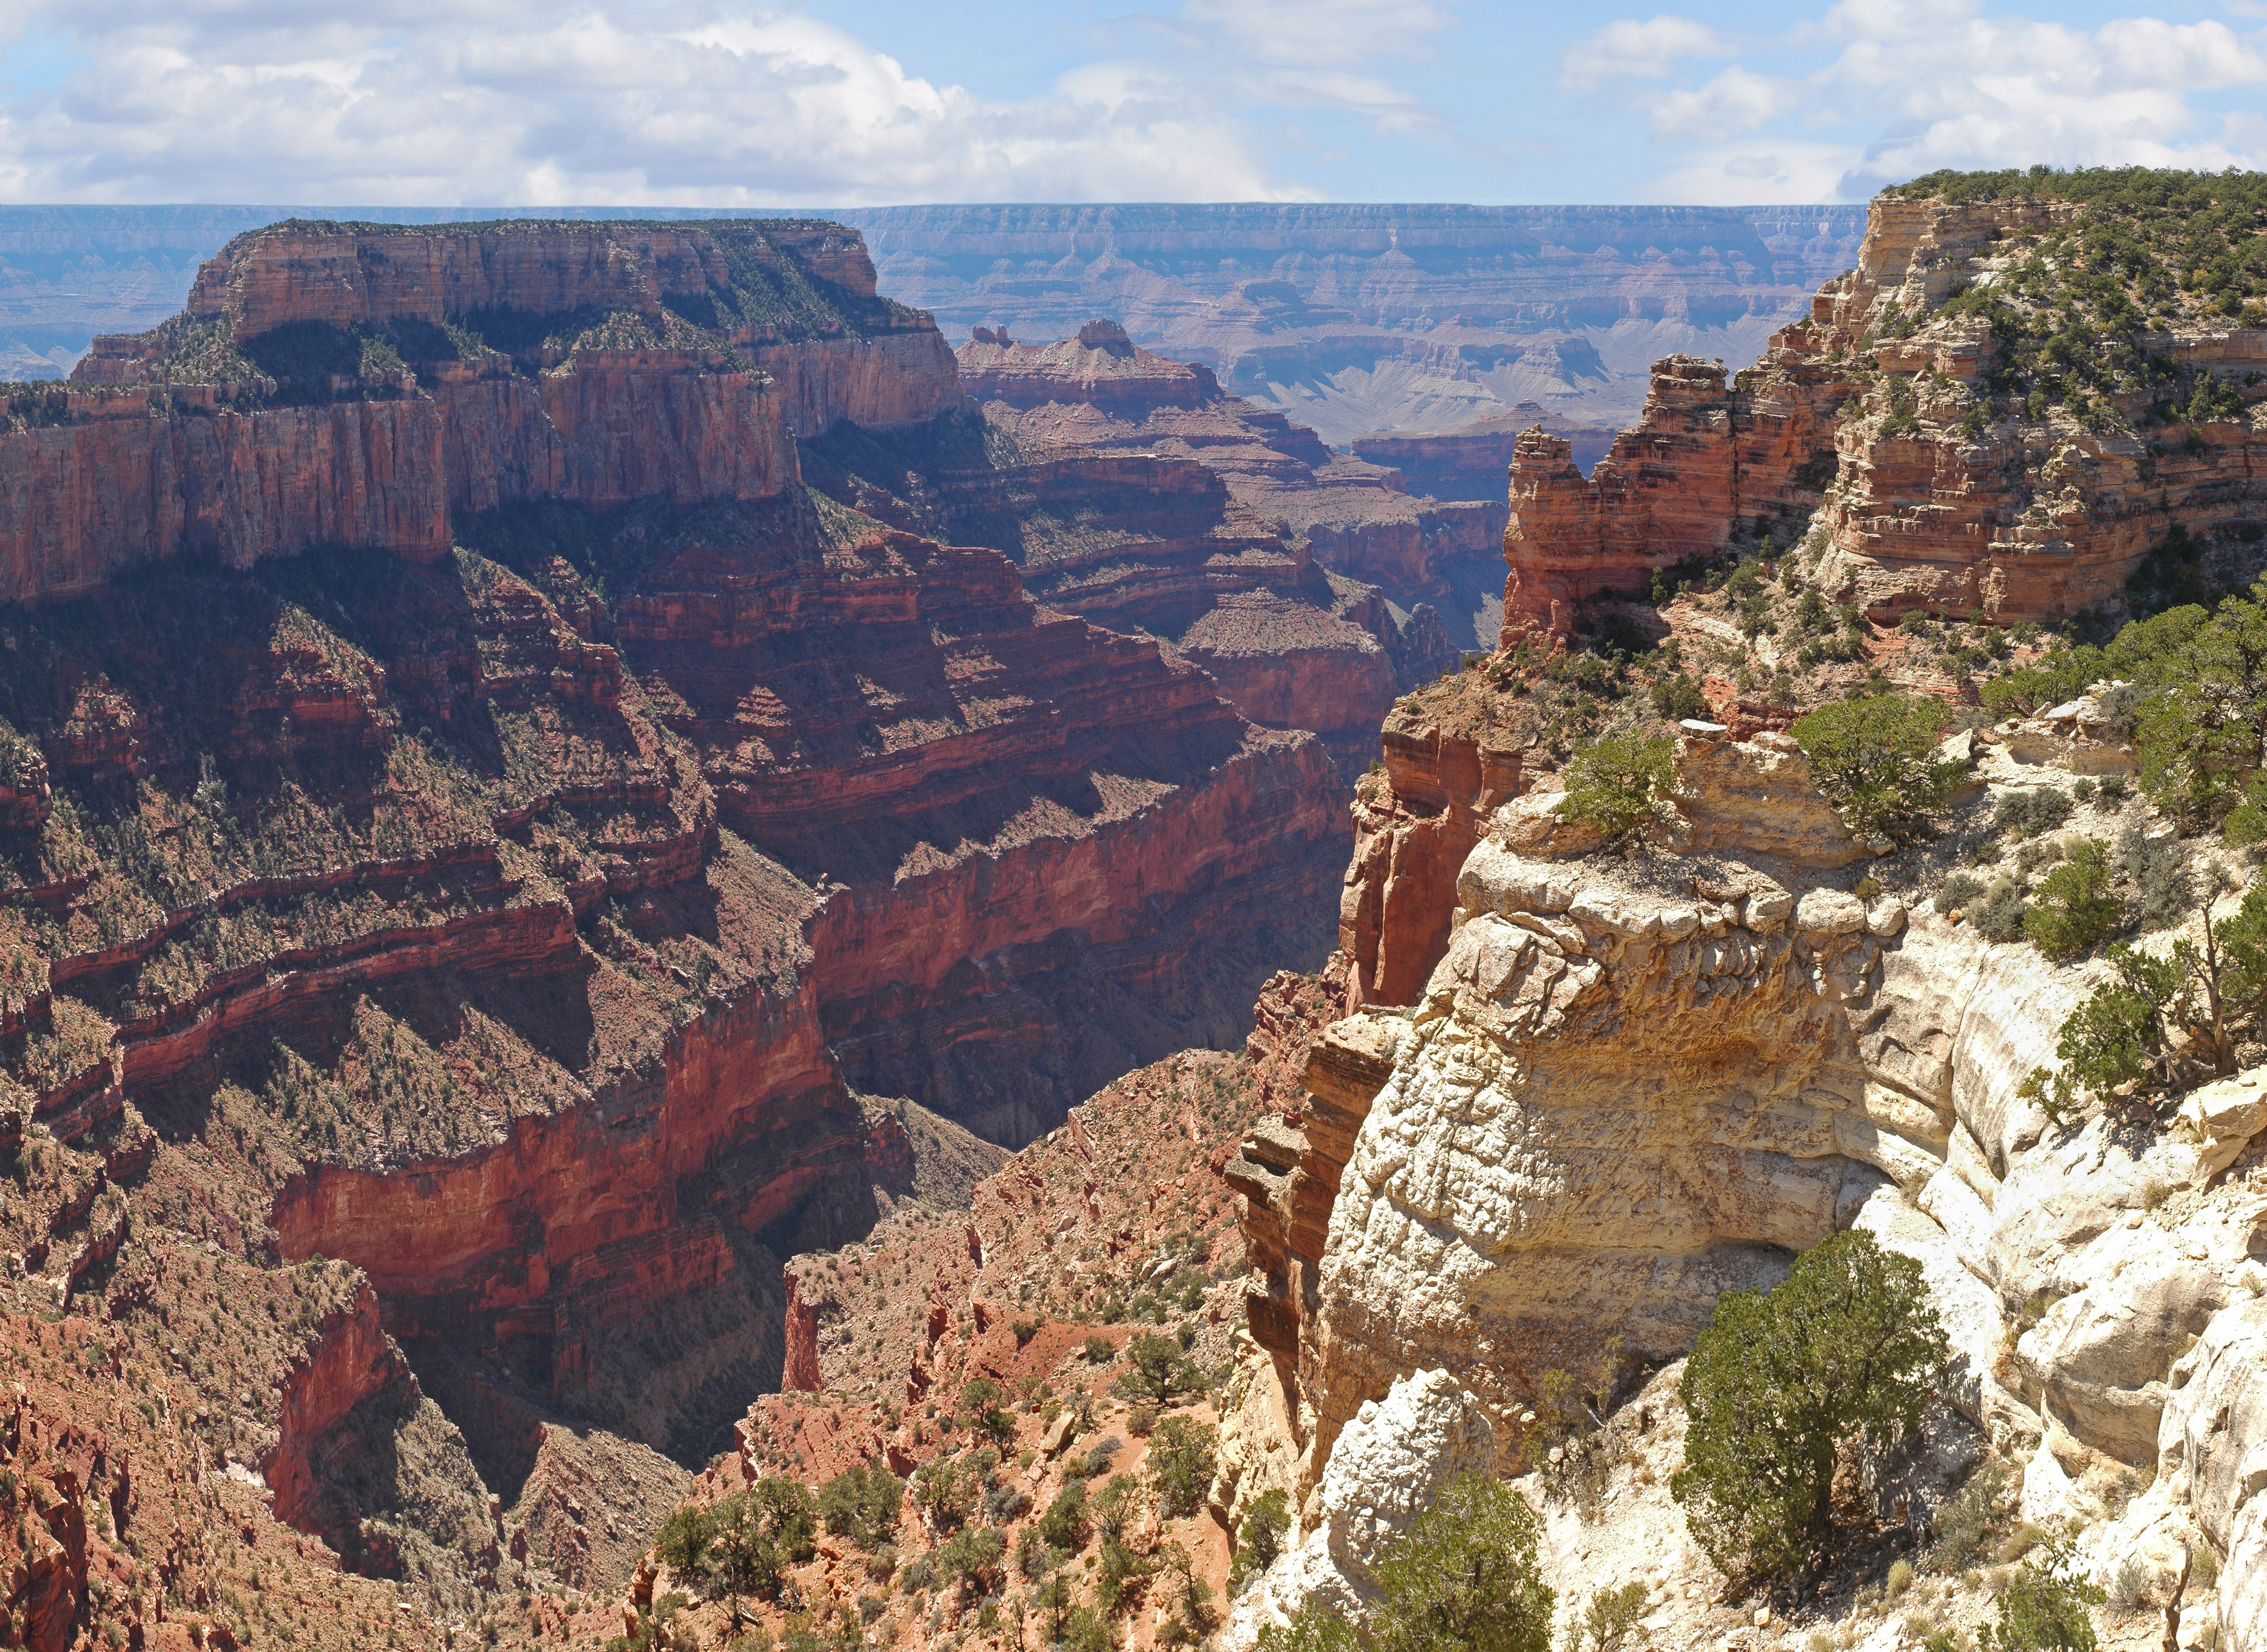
x=1628 y=1087
x=625 y=364
x=1914 y=429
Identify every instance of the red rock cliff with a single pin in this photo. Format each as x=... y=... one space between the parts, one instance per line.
x=1875 y=425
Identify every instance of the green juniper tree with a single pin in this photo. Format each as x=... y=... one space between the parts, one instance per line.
x=1840 y=1360
x=1875 y=760
x=1621 y=786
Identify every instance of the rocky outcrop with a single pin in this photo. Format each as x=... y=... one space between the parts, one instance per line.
x=173 y=462
x=1414 y=824
x=1704 y=462
x=1390 y=1466
x=1865 y=413
x=1630 y=1086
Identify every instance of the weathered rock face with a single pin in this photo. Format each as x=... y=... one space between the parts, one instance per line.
x=1703 y=461
x=93 y=482
x=2021 y=517
x=1391 y=1465
x=1630 y=1086
x=1413 y=826
x=1105 y=395
x=117 y=487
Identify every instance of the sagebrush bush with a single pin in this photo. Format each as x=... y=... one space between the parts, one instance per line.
x=1999 y=915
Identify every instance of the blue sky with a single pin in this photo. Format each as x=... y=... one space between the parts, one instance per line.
x=866 y=102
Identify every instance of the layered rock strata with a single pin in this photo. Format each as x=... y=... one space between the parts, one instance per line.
x=1871 y=423
x=1101 y=394
x=602 y=392
x=494 y=925
x=1704 y=462
x=1631 y=1086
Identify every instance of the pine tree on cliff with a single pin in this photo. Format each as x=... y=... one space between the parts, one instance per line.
x=1838 y=1363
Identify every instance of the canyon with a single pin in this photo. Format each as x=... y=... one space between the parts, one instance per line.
x=624 y=877
x=478 y=823
x=1351 y=318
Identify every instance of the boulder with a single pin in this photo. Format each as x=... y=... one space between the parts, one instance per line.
x=1390 y=1464
x=2226 y=1117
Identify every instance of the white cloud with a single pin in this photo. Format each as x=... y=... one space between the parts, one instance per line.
x=1874 y=91
x=1735 y=101
x=1643 y=51
x=692 y=102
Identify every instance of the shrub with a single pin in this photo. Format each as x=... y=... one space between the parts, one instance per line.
x=1099 y=1460
x=742 y=1545
x=973 y=1558
x=1085 y=1630
x=980 y=1410
x=1006 y=1502
x=1610 y=1622
x=1259 y=1540
x=1960 y=890
x=1181 y=1464
x=1117 y=1506
x=1964 y=1525
x=1843 y=1357
x=1465 y=1575
x=2028 y=813
x=1999 y=915
x=2043 y=1607
x=1158 y=1368
x=2076 y=911
x=946 y=1491
x=1098 y=1350
x=862 y=1504
x=1025 y=1330
x=1065 y=1524
x=1678 y=696
x=1618 y=786
x=2159 y=874
x=2161 y=1020
x=1876 y=759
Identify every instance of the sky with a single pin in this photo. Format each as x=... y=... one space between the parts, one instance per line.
x=873 y=102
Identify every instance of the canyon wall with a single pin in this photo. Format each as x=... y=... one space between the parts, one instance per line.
x=166 y=460
x=1630 y=1086
x=483 y=871
x=1862 y=424
x=1351 y=318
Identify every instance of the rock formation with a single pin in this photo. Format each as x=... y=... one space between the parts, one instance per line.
x=1628 y=1087
x=489 y=910
x=1932 y=490
x=602 y=393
